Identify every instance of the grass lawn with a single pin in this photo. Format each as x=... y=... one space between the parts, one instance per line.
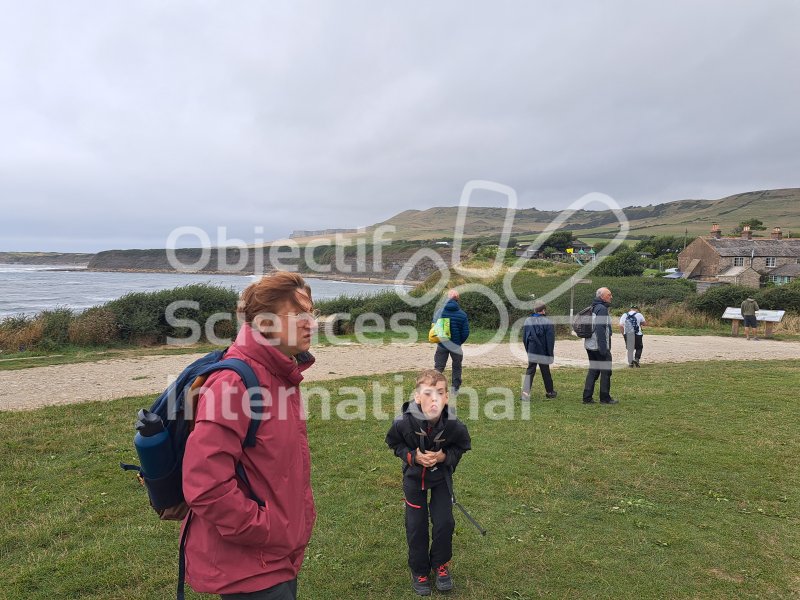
x=689 y=488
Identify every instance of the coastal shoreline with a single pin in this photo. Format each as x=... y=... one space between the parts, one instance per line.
x=312 y=275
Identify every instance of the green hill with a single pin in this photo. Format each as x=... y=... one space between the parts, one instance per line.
x=774 y=207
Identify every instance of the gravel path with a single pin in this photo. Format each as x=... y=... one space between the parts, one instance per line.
x=118 y=378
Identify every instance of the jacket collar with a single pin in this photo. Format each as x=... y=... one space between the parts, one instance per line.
x=413 y=410
x=257 y=348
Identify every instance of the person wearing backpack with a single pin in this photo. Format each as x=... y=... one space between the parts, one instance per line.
x=539 y=338
x=236 y=545
x=630 y=325
x=598 y=348
x=453 y=328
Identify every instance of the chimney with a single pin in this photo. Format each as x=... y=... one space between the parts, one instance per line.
x=715 y=231
x=776 y=234
x=746 y=233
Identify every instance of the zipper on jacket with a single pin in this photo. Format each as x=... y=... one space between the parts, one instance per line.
x=423 y=477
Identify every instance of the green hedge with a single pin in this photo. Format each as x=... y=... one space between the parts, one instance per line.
x=717 y=299
x=484 y=314
x=141 y=316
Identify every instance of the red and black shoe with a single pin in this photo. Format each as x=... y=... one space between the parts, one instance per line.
x=444 y=583
x=421 y=584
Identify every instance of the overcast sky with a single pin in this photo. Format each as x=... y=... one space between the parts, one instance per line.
x=120 y=121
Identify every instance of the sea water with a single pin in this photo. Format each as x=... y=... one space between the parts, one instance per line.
x=30 y=289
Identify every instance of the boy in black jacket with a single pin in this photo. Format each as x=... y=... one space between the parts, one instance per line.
x=430 y=443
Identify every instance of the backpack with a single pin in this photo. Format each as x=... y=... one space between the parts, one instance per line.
x=441 y=329
x=632 y=323
x=177 y=407
x=582 y=324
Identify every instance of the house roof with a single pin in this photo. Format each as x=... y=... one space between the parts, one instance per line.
x=734 y=271
x=740 y=247
x=787 y=270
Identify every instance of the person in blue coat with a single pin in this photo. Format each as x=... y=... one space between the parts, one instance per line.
x=458 y=323
x=539 y=338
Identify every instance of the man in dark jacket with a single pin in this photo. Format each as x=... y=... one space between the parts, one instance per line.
x=539 y=338
x=457 y=324
x=598 y=347
x=430 y=442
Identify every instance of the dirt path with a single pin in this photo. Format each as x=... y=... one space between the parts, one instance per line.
x=118 y=378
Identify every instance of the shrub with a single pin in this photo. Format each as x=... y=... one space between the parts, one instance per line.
x=19 y=333
x=55 y=327
x=94 y=327
x=141 y=316
x=782 y=297
x=717 y=299
x=623 y=262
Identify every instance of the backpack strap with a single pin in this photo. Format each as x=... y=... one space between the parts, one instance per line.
x=248 y=377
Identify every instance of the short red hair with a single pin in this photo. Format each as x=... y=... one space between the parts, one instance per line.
x=268 y=293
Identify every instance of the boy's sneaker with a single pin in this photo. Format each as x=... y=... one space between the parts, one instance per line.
x=444 y=583
x=552 y=394
x=421 y=584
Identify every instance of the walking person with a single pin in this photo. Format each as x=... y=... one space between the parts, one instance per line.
x=598 y=348
x=237 y=546
x=452 y=326
x=630 y=325
x=749 y=309
x=539 y=338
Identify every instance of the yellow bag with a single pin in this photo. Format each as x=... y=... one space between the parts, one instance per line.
x=432 y=337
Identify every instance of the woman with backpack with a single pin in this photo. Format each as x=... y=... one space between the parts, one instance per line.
x=251 y=508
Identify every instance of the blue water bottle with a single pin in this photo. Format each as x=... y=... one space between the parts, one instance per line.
x=153 y=445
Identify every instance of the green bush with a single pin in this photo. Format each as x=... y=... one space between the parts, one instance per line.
x=142 y=316
x=55 y=327
x=623 y=262
x=782 y=297
x=718 y=298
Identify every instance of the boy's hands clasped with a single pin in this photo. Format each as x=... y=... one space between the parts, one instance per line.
x=429 y=459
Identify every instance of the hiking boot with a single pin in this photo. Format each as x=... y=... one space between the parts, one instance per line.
x=631 y=365
x=552 y=394
x=444 y=583
x=609 y=401
x=588 y=400
x=421 y=584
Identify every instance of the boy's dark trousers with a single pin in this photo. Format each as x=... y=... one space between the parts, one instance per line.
x=546 y=377
x=420 y=559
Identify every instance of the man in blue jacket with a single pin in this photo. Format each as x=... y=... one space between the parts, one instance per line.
x=598 y=347
x=539 y=338
x=457 y=322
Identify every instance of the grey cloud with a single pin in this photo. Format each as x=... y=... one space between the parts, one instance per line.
x=121 y=122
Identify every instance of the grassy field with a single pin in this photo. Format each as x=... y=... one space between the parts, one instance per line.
x=689 y=488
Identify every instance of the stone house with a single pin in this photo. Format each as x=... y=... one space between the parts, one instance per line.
x=741 y=260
